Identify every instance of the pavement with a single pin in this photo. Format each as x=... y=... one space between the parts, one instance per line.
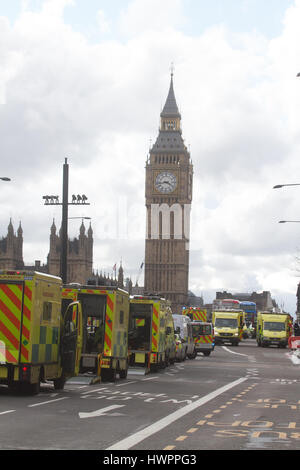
x=294 y=356
x=81 y=380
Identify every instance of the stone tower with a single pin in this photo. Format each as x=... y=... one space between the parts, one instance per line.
x=80 y=255
x=121 y=277
x=11 y=249
x=169 y=180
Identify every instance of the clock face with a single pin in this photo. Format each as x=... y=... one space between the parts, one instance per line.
x=165 y=182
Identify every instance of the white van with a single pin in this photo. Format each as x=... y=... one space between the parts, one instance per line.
x=182 y=326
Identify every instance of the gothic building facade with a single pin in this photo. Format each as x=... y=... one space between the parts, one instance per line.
x=11 y=249
x=169 y=180
x=80 y=254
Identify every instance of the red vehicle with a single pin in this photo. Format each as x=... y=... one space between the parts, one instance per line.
x=227 y=304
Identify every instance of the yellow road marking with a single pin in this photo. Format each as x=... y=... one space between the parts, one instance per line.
x=181 y=438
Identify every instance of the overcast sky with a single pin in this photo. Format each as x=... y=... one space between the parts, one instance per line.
x=87 y=80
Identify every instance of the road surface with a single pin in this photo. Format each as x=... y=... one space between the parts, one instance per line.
x=239 y=398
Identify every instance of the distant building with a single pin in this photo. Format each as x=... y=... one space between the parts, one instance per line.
x=101 y=279
x=298 y=302
x=194 y=300
x=80 y=259
x=263 y=301
x=80 y=254
x=104 y=280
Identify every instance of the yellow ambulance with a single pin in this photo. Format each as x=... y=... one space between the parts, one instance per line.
x=151 y=333
x=105 y=313
x=228 y=326
x=38 y=341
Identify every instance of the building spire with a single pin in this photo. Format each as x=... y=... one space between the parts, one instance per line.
x=171 y=109
x=172 y=68
x=10 y=229
x=20 y=230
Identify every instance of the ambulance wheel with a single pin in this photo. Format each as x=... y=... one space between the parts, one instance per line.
x=30 y=389
x=108 y=375
x=123 y=373
x=166 y=361
x=59 y=383
x=162 y=364
x=194 y=355
x=113 y=375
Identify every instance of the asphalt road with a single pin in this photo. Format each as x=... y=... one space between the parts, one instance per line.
x=239 y=398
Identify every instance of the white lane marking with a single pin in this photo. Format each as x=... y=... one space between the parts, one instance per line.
x=233 y=352
x=94 y=390
x=6 y=412
x=126 y=383
x=131 y=441
x=101 y=412
x=46 y=402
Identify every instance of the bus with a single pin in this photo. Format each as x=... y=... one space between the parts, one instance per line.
x=227 y=304
x=250 y=314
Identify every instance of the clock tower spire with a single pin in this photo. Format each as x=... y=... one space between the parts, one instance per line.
x=169 y=178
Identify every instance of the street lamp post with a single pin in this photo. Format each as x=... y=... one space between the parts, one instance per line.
x=64 y=224
x=78 y=200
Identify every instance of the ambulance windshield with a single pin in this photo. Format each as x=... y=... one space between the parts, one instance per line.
x=274 y=326
x=226 y=323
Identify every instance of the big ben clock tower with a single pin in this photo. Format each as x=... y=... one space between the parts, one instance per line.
x=169 y=179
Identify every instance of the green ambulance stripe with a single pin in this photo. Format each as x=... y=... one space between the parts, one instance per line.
x=47 y=348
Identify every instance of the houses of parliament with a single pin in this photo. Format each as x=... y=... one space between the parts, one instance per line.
x=168 y=198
